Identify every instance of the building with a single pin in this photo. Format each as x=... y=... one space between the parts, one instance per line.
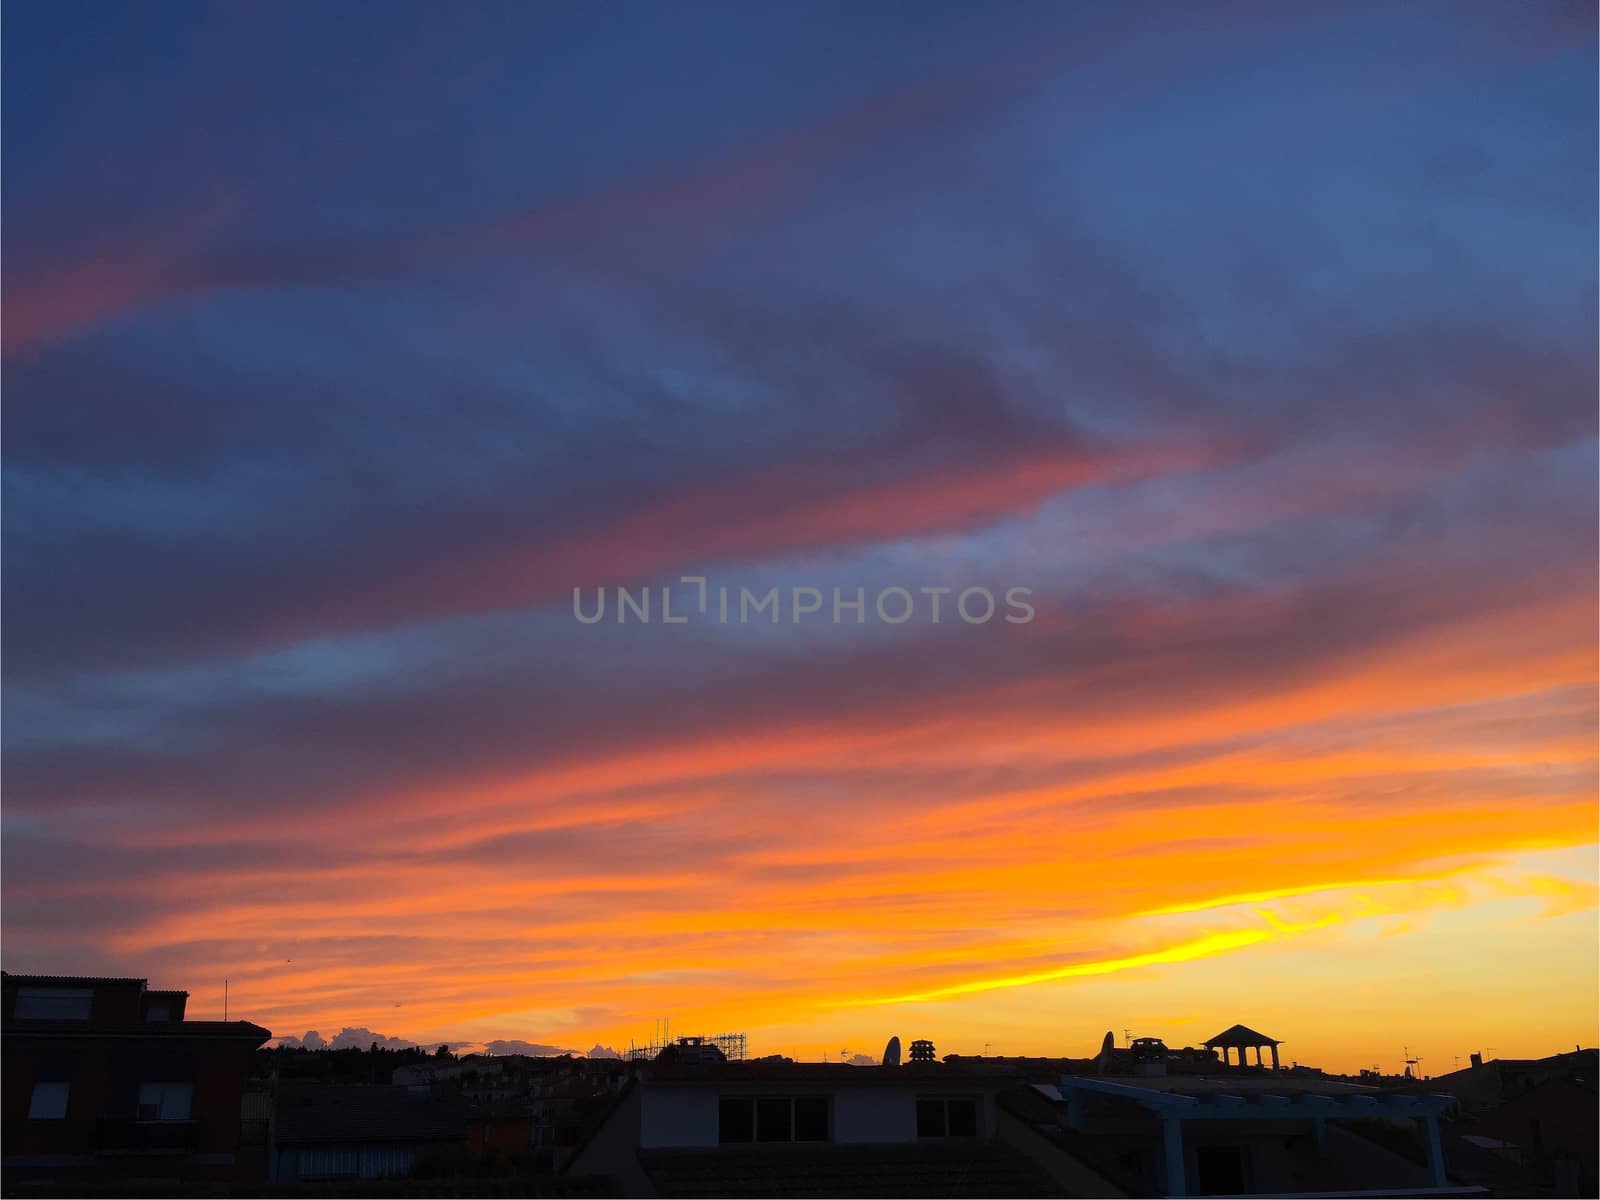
x=787 y=1129
x=1540 y=1114
x=1550 y=1128
x=566 y=1105
x=500 y=1125
x=1485 y=1085
x=106 y=1081
x=327 y=1132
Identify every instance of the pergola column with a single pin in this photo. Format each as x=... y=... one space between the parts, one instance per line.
x=1430 y=1125
x=1172 y=1143
x=1275 y=1066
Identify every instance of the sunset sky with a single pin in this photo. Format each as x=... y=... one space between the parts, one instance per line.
x=342 y=342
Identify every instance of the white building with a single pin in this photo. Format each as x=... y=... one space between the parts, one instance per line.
x=808 y=1128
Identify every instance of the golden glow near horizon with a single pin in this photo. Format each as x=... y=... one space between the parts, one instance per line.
x=1252 y=885
x=1347 y=862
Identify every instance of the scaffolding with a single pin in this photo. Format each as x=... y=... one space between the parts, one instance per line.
x=732 y=1045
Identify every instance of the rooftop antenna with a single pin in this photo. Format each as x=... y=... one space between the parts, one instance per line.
x=1127 y=1037
x=224 y=999
x=1410 y=1063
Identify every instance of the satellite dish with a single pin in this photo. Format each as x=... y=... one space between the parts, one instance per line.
x=891 y=1053
x=1102 y=1061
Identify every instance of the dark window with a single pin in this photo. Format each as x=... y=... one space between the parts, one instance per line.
x=947 y=1116
x=165 y=1101
x=811 y=1119
x=49 y=1101
x=53 y=1004
x=772 y=1120
x=736 y=1119
x=1221 y=1170
x=962 y=1117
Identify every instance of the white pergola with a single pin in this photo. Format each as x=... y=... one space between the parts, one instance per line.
x=1174 y=1108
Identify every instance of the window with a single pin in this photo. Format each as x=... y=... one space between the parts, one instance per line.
x=49 y=1102
x=330 y=1163
x=53 y=1004
x=772 y=1119
x=1221 y=1170
x=353 y=1162
x=962 y=1116
x=157 y=1012
x=380 y=1162
x=165 y=1101
x=736 y=1119
x=947 y=1116
x=810 y=1118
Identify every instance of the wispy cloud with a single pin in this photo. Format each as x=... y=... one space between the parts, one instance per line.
x=330 y=370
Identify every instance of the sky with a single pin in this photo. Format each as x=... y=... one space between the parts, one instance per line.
x=342 y=343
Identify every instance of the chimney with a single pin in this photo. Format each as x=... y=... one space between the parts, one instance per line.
x=1477 y=1060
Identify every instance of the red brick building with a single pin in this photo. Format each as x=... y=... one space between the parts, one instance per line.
x=105 y=1080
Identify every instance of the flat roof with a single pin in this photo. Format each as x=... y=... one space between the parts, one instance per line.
x=1280 y=1084
x=726 y=1074
x=1179 y=1098
x=144 y=1029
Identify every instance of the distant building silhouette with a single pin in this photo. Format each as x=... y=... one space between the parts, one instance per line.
x=691 y=1050
x=732 y=1046
x=1243 y=1038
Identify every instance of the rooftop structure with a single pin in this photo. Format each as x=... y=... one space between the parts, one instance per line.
x=1242 y=1038
x=731 y=1046
x=1234 y=1136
